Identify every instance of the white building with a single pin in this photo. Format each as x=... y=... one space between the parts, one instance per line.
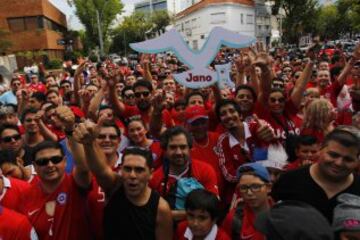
x=196 y=22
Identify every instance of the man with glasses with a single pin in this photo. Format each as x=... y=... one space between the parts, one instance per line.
x=143 y=99
x=255 y=186
x=10 y=96
x=57 y=209
x=128 y=96
x=333 y=173
x=10 y=139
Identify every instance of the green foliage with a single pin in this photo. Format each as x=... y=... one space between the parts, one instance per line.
x=93 y=58
x=328 y=22
x=86 y=10
x=300 y=18
x=54 y=64
x=137 y=28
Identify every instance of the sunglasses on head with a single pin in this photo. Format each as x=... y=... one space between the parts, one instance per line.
x=10 y=138
x=139 y=94
x=45 y=161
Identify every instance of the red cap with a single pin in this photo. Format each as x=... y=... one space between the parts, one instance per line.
x=195 y=112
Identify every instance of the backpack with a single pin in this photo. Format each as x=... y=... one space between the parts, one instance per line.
x=178 y=192
x=237 y=222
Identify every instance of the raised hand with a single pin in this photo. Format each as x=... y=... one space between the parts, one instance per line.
x=264 y=131
x=66 y=116
x=86 y=132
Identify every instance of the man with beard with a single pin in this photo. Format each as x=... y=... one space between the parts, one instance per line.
x=333 y=174
x=143 y=92
x=245 y=97
x=178 y=164
x=236 y=146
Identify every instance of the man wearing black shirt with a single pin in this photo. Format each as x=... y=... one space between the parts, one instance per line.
x=333 y=174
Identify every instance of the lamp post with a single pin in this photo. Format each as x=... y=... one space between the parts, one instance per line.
x=98 y=20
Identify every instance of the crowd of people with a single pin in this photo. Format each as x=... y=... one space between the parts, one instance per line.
x=112 y=151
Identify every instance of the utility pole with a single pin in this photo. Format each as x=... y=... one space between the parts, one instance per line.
x=151 y=8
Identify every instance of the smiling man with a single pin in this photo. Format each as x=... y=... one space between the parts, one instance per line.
x=333 y=174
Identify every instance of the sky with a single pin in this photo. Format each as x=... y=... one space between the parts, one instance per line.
x=73 y=21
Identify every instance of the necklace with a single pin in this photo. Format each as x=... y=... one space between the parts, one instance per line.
x=204 y=145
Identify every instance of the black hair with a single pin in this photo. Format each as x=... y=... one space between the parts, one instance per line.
x=9 y=126
x=47 y=145
x=180 y=102
x=246 y=87
x=201 y=199
x=26 y=112
x=143 y=83
x=174 y=131
x=39 y=96
x=344 y=137
x=52 y=91
x=135 y=118
x=112 y=124
x=65 y=81
x=194 y=93
x=7 y=156
x=143 y=152
x=225 y=102
x=306 y=140
x=126 y=88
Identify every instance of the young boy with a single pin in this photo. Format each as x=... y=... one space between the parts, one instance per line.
x=202 y=212
x=254 y=185
x=307 y=150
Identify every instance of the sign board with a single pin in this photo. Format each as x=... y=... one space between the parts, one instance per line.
x=199 y=75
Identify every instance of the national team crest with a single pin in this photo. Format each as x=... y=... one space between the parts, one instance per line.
x=61 y=198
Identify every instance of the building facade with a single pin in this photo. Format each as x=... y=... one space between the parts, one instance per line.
x=33 y=25
x=263 y=21
x=156 y=5
x=196 y=22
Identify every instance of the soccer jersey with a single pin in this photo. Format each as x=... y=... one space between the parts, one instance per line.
x=58 y=215
x=11 y=195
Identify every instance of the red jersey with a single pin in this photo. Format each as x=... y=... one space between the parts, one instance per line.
x=58 y=215
x=205 y=152
x=182 y=228
x=331 y=92
x=39 y=87
x=201 y=171
x=288 y=119
x=13 y=190
x=15 y=226
x=248 y=230
x=134 y=111
x=96 y=204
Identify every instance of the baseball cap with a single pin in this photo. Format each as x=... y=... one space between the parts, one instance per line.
x=347 y=213
x=256 y=168
x=193 y=113
x=290 y=220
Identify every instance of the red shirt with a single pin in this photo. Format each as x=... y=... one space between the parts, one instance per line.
x=96 y=203
x=288 y=119
x=181 y=228
x=15 y=226
x=248 y=230
x=39 y=87
x=134 y=110
x=201 y=171
x=11 y=195
x=205 y=152
x=331 y=92
x=58 y=215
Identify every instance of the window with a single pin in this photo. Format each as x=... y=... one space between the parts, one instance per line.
x=195 y=45
x=242 y=18
x=31 y=23
x=16 y=24
x=250 y=19
x=217 y=18
x=202 y=37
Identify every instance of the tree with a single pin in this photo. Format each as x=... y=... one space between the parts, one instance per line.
x=300 y=18
x=132 y=29
x=160 y=20
x=4 y=44
x=349 y=15
x=86 y=10
x=328 y=24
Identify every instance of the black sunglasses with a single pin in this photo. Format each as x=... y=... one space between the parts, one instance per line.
x=45 y=161
x=103 y=136
x=145 y=94
x=280 y=100
x=129 y=96
x=10 y=138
